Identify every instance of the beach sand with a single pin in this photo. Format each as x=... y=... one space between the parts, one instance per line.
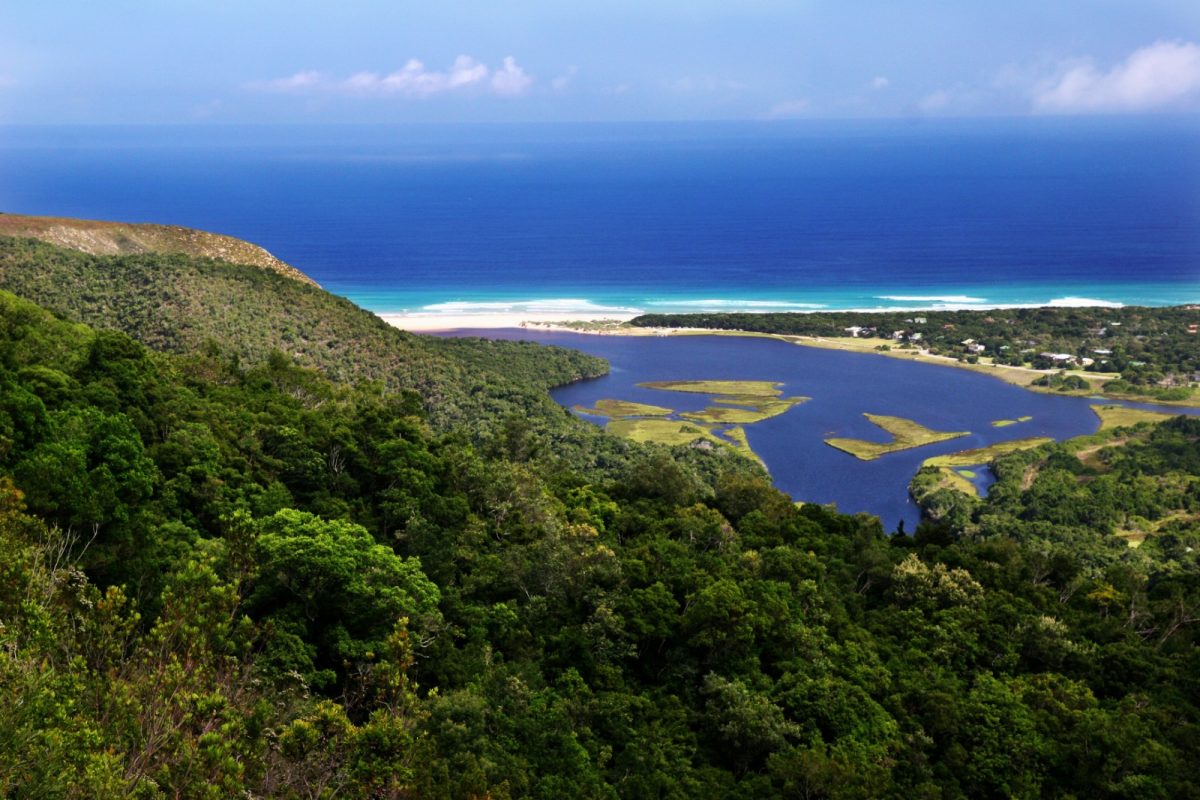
x=424 y=323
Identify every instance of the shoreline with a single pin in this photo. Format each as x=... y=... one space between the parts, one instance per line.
x=616 y=325
x=434 y=322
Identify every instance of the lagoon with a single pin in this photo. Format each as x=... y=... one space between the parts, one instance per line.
x=843 y=386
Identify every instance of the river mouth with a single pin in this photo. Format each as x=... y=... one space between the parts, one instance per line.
x=844 y=388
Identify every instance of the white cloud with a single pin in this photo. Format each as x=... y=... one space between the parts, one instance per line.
x=788 y=109
x=510 y=80
x=1159 y=75
x=561 y=83
x=414 y=79
x=880 y=82
x=936 y=101
x=299 y=82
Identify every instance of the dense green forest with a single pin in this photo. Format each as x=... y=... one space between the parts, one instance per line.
x=1092 y=495
x=233 y=569
x=490 y=391
x=1156 y=351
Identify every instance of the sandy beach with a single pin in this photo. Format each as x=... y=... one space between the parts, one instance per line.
x=430 y=322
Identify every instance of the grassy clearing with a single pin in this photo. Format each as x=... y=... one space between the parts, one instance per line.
x=958 y=481
x=766 y=409
x=1138 y=529
x=986 y=455
x=624 y=408
x=906 y=435
x=1121 y=417
x=1004 y=423
x=743 y=390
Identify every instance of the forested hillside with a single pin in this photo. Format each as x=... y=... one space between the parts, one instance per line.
x=1093 y=496
x=227 y=575
x=493 y=392
x=180 y=303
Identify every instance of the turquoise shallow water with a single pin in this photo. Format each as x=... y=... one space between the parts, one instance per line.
x=586 y=300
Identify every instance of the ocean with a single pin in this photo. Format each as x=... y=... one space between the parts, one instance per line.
x=663 y=217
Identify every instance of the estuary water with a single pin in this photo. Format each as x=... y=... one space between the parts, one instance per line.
x=843 y=386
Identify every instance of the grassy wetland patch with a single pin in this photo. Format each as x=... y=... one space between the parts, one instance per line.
x=757 y=412
x=906 y=435
x=671 y=432
x=1004 y=423
x=1122 y=417
x=956 y=480
x=624 y=408
x=986 y=455
x=735 y=404
x=737 y=435
x=731 y=389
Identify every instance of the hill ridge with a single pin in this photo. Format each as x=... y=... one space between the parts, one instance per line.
x=104 y=238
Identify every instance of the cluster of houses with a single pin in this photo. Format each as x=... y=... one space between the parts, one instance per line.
x=1173 y=380
x=858 y=331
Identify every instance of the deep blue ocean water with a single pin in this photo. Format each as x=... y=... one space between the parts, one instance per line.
x=662 y=216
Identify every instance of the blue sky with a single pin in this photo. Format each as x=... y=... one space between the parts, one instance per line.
x=175 y=61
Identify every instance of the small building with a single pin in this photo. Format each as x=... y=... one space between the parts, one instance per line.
x=1058 y=358
x=1103 y=351
x=853 y=330
x=976 y=348
x=919 y=320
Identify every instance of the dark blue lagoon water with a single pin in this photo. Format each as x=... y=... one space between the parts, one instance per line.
x=842 y=386
x=785 y=215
